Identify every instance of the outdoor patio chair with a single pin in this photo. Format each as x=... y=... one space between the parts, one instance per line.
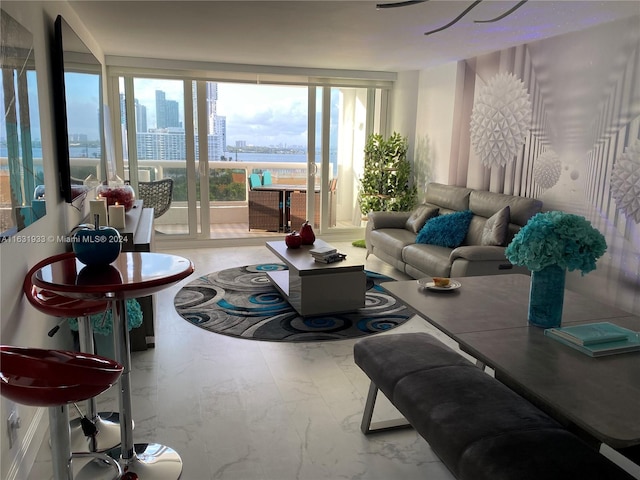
x=298 y=209
x=156 y=195
x=254 y=180
x=265 y=207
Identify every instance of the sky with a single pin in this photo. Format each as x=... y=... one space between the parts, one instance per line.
x=262 y=115
x=258 y=114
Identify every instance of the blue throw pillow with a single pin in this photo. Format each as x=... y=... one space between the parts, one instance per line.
x=446 y=230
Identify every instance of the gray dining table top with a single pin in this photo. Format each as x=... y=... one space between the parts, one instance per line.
x=487 y=316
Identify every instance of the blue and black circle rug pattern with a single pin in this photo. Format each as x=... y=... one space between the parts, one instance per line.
x=241 y=302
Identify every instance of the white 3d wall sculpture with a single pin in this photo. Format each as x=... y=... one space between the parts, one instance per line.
x=625 y=182
x=500 y=120
x=546 y=169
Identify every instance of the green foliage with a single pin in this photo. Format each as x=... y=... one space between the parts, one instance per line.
x=221 y=186
x=385 y=184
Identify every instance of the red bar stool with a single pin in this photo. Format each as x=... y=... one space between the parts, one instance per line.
x=106 y=425
x=53 y=379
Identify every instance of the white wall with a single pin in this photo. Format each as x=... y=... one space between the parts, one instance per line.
x=21 y=324
x=423 y=110
x=435 y=124
x=404 y=106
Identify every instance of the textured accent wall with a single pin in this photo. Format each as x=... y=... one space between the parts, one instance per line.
x=580 y=150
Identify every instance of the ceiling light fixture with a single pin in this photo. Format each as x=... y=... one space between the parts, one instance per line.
x=458 y=18
x=455 y=20
x=505 y=14
x=399 y=4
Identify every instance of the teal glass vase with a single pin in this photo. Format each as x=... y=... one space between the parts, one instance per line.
x=546 y=296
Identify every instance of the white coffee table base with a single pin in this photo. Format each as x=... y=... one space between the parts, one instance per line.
x=315 y=288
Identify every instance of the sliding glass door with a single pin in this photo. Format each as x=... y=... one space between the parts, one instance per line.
x=344 y=117
x=211 y=136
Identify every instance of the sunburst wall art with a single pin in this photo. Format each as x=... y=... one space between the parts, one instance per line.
x=547 y=169
x=625 y=182
x=500 y=120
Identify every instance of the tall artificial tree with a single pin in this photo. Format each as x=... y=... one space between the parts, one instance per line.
x=386 y=182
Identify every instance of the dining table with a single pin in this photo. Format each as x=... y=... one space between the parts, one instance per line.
x=131 y=275
x=597 y=398
x=285 y=190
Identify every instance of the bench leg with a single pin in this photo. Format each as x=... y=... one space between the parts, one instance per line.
x=366 y=427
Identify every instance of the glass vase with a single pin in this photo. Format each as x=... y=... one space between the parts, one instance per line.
x=546 y=296
x=118 y=195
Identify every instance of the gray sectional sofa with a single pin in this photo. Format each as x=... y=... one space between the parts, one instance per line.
x=391 y=236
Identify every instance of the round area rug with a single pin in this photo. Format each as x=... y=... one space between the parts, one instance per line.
x=241 y=302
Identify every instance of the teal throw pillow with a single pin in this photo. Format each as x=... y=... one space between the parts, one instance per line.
x=446 y=230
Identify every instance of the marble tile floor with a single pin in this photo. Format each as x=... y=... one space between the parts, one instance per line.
x=241 y=409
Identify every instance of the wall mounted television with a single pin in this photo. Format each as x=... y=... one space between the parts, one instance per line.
x=77 y=84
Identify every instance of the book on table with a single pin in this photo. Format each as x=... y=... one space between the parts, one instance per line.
x=592 y=333
x=331 y=258
x=322 y=251
x=326 y=254
x=597 y=339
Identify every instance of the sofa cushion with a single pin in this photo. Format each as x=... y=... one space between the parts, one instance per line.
x=386 y=359
x=448 y=196
x=521 y=209
x=554 y=454
x=483 y=408
x=419 y=217
x=446 y=230
x=432 y=259
x=496 y=228
x=391 y=240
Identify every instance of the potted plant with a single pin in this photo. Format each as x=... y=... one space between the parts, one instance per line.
x=386 y=182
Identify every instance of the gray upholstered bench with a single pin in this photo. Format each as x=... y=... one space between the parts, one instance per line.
x=478 y=427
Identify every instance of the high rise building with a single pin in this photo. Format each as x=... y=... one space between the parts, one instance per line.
x=167 y=111
x=167 y=140
x=141 y=117
x=173 y=114
x=161 y=109
x=212 y=99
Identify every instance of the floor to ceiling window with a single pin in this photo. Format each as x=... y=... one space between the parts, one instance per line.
x=210 y=136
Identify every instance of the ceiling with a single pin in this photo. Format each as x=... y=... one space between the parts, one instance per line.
x=351 y=35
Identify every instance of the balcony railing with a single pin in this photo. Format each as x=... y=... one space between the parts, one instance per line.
x=228 y=183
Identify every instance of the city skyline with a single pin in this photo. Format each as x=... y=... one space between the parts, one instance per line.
x=263 y=115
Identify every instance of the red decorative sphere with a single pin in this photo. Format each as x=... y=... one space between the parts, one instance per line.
x=293 y=240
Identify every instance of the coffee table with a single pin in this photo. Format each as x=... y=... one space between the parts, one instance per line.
x=317 y=288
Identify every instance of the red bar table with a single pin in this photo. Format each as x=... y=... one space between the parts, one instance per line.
x=132 y=275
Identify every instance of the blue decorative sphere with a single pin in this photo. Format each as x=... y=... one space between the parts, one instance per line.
x=97 y=247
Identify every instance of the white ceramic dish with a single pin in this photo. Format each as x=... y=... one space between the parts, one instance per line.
x=427 y=283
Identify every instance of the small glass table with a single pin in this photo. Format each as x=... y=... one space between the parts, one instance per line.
x=132 y=275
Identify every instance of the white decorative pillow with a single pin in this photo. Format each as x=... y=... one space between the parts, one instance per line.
x=496 y=228
x=419 y=217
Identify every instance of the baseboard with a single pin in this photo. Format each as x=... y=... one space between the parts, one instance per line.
x=29 y=447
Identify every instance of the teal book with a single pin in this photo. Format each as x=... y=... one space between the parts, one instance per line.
x=593 y=333
x=630 y=344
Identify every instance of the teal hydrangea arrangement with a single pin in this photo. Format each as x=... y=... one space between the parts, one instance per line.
x=102 y=323
x=557 y=238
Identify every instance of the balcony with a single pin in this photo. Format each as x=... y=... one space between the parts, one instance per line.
x=228 y=194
